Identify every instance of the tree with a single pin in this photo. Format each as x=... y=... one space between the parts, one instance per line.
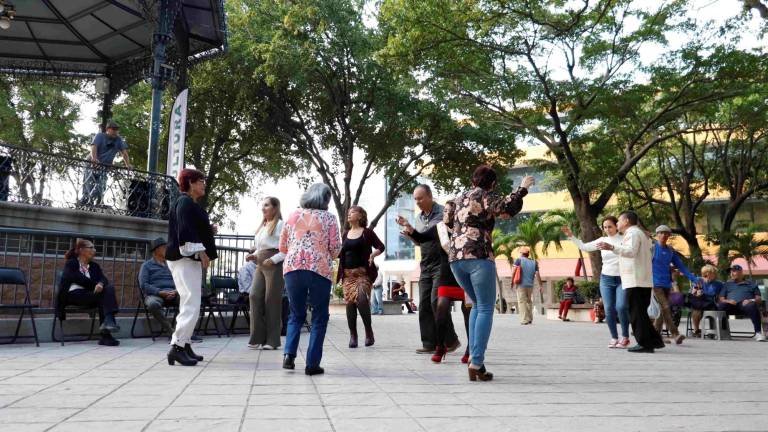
x=599 y=113
x=758 y=5
x=39 y=115
x=747 y=242
x=335 y=110
x=569 y=219
x=536 y=229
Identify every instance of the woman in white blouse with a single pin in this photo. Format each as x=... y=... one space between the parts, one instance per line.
x=266 y=295
x=614 y=298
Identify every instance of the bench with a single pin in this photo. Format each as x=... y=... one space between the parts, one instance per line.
x=577 y=312
x=394 y=307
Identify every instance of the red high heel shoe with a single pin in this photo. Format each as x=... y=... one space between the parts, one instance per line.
x=465 y=357
x=439 y=354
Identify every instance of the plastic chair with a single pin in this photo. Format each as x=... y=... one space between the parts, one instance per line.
x=715 y=323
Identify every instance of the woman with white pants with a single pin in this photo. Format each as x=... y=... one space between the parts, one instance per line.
x=191 y=247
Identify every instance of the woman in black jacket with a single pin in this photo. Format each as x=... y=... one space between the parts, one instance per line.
x=84 y=284
x=190 y=249
x=357 y=272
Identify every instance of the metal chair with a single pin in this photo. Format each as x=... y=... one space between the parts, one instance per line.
x=15 y=276
x=69 y=309
x=143 y=306
x=226 y=293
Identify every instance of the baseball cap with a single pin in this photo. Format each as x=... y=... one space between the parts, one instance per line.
x=663 y=229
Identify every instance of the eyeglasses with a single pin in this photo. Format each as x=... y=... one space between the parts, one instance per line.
x=89 y=247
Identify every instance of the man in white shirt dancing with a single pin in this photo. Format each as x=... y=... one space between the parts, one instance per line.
x=635 y=267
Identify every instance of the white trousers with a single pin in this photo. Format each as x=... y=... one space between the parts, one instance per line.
x=188 y=278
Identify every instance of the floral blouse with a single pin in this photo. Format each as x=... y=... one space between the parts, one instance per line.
x=472 y=219
x=310 y=240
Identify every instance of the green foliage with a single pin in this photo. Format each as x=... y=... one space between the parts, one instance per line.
x=534 y=230
x=588 y=289
x=747 y=242
x=132 y=115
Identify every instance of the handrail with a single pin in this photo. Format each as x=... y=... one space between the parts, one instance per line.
x=53 y=180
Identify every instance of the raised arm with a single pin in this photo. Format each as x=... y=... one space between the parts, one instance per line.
x=680 y=265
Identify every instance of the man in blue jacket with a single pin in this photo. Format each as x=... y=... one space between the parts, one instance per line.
x=664 y=258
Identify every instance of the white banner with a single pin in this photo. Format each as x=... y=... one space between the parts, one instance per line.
x=177 y=135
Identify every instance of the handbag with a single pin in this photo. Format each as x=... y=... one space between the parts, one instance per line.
x=654 y=310
x=518 y=276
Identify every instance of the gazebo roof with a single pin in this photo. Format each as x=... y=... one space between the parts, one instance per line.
x=102 y=37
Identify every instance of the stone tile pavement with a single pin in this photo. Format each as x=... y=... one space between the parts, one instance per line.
x=551 y=376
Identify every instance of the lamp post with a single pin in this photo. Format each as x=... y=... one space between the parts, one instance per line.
x=160 y=72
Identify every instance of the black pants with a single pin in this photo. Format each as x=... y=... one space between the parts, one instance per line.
x=750 y=310
x=428 y=283
x=106 y=300
x=645 y=333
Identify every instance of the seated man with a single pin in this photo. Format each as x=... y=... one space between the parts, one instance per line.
x=245 y=278
x=157 y=285
x=741 y=296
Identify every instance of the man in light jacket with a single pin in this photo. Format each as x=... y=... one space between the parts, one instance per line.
x=635 y=267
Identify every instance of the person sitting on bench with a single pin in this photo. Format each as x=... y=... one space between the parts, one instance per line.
x=740 y=296
x=157 y=285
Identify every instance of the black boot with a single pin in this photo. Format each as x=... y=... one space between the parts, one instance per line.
x=177 y=354
x=352 y=324
x=369 y=340
x=288 y=362
x=317 y=370
x=107 y=339
x=109 y=324
x=191 y=354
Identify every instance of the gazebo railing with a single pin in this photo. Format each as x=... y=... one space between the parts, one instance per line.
x=50 y=180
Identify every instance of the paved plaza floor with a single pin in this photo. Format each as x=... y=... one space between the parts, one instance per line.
x=550 y=376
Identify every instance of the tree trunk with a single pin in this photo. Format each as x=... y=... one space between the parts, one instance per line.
x=589 y=232
x=697 y=258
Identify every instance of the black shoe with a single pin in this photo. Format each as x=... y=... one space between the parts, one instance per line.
x=288 y=362
x=191 y=354
x=108 y=340
x=195 y=339
x=640 y=349
x=317 y=370
x=369 y=340
x=659 y=345
x=109 y=324
x=353 y=341
x=178 y=354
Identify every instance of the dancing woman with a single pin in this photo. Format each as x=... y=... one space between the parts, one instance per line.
x=448 y=289
x=266 y=296
x=471 y=255
x=360 y=245
x=614 y=297
x=191 y=248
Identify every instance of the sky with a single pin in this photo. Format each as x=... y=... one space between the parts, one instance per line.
x=288 y=190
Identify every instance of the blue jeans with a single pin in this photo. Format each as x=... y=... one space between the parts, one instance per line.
x=615 y=302
x=478 y=279
x=303 y=285
x=377 y=303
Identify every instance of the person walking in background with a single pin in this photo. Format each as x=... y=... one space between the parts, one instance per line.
x=377 y=301
x=568 y=294
x=664 y=257
x=430 y=214
x=266 y=296
x=357 y=272
x=191 y=247
x=84 y=284
x=614 y=297
x=310 y=241
x=635 y=268
x=471 y=254
x=704 y=296
x=105 y=146
x=157 y=286
x=528 y=270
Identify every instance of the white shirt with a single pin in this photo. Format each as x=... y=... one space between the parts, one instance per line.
x=263 y=240
x=610 y=259
x=635 y=259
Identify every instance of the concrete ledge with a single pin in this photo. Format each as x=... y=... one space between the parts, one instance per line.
x=78 y=221
x=579 y=312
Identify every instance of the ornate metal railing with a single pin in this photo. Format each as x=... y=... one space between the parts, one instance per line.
x=50 y=180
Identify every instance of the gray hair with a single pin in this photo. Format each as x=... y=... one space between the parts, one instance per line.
x=316 y=197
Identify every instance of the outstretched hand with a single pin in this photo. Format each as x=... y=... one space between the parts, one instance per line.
x=567 y=231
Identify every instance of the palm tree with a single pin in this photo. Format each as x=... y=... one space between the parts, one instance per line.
x=534 y=230
x=568 y=218
x=748 y=243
